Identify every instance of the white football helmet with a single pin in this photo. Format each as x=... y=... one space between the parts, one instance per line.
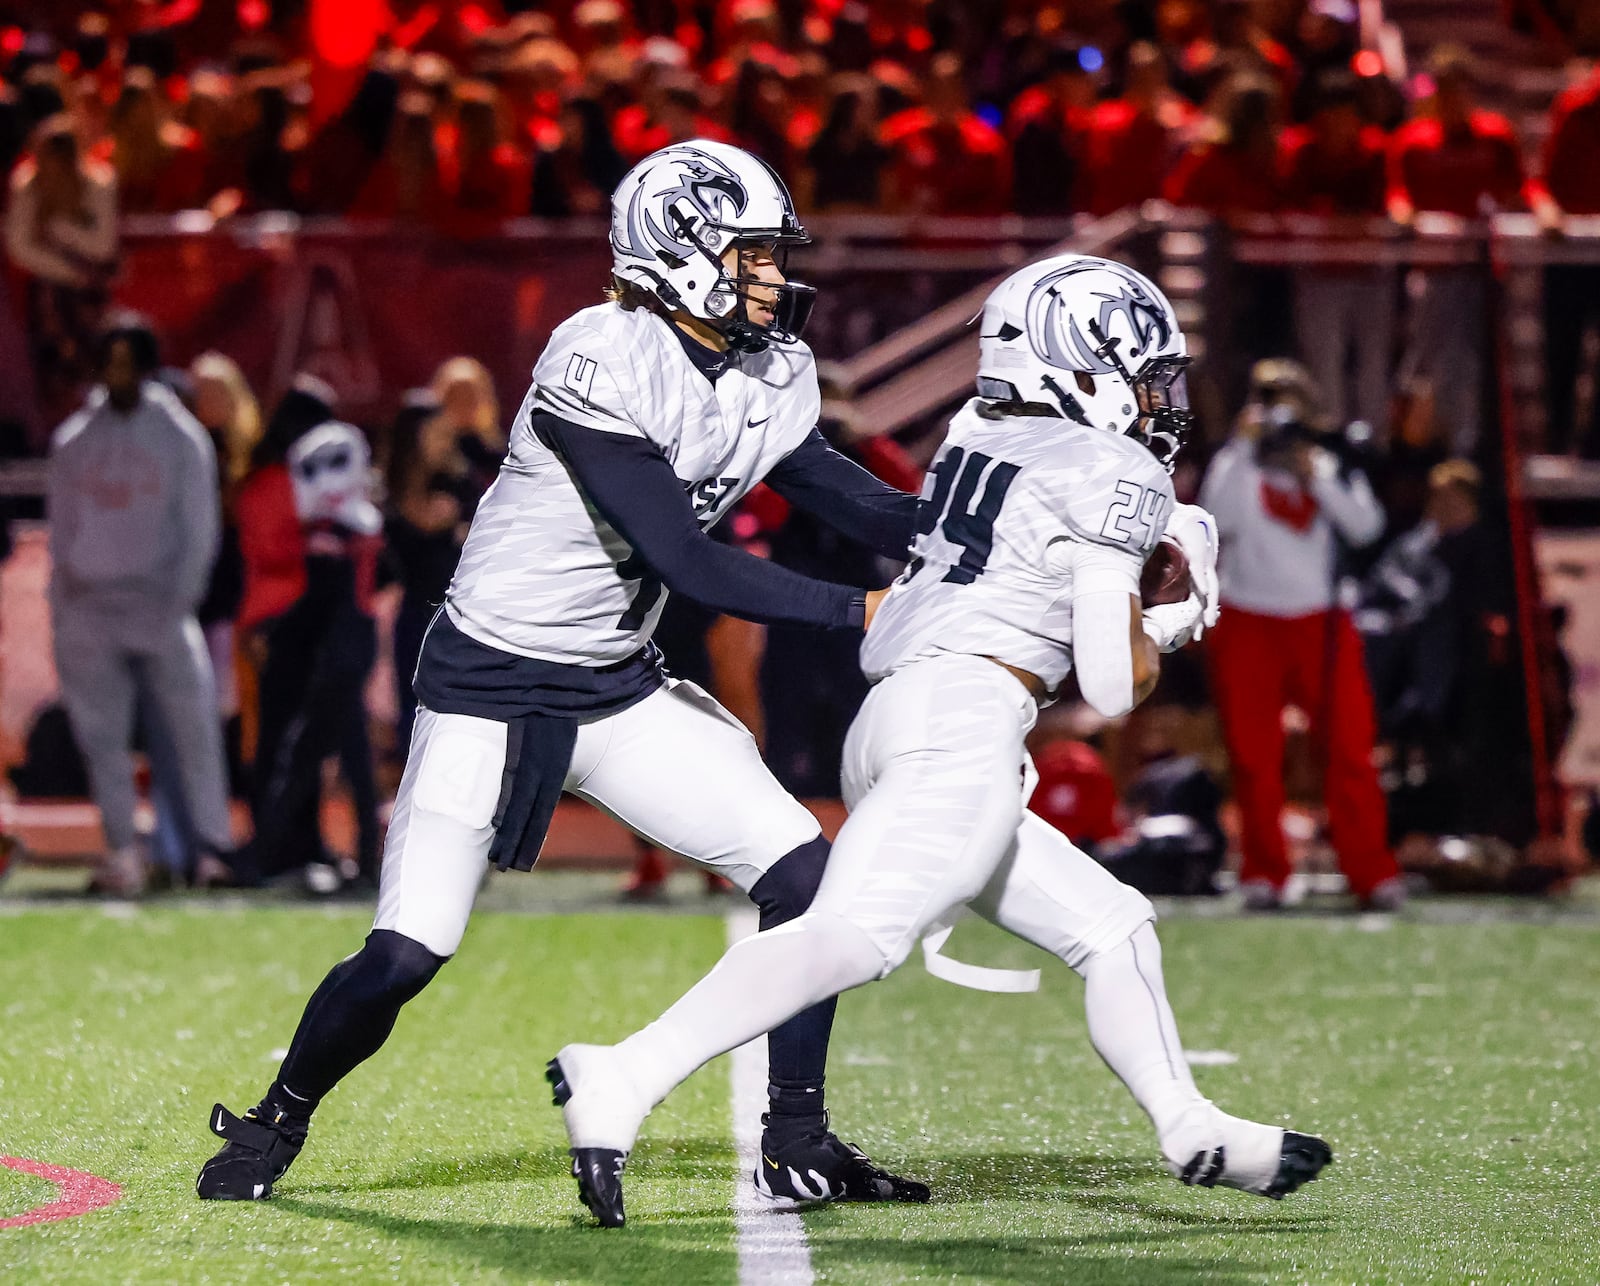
x=677 y=211
x=1093 y=338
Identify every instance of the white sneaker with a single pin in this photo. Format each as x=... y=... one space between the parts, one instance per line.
x=1389 y=896
x=1258 y=895
x=121 y=873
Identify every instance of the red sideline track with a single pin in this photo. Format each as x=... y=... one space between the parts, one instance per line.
x=78 y=1194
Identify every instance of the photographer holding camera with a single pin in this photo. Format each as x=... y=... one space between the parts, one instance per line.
x=1287 y=493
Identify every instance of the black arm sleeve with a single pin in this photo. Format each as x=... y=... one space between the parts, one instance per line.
x=630 y=482
x=819 y=480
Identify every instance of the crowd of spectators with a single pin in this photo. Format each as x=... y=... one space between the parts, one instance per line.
x=472 y=115
x=460 y=116
x=455 y=117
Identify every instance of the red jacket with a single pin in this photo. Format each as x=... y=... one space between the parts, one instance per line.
x=1126 y=155
x=1455 y=174
x=947 y=167
x=272 y=544
x=1572 y=151
x=1318 y=180
x=1219 y=180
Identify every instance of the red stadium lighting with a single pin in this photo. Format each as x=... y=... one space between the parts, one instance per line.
x=11 y=40
x=1367 y=63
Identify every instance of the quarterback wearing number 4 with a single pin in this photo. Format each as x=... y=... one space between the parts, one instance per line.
x=1037 y=517
x=648 y=418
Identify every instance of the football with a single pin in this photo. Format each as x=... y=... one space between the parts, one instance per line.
x=1165 y=578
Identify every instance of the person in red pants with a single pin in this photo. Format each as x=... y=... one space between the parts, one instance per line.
x=1283 y=506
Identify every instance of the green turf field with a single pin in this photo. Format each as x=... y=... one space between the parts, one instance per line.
x=1452 y=1065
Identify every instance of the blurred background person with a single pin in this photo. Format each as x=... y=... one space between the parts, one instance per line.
x=274 y=637
x=134 y=523
x=1334 y=165
x=228 y=411
x=431 y=497
x=1570 y=184
x=946 y=159
x=1284 y=503
x=1231 y=171
x=1131 y=142
x=1453 y=158
x=577 y=165
x=1046 y=125
x=492 y=175
x=61 y=234
x=1435 y=616
x=845 y=162
x=160 y=164
x=334 y=493
x=408 y=181
x=469 y=413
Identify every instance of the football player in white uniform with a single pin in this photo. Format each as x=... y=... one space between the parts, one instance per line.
x=648 y=418
x=1035 y=522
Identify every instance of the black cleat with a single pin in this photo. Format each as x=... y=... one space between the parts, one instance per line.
x=1205 y=1168
x=599 y=1175
x=597 y=1170
x=255 y=1156
x=1304 y=1157
x=818 y=1166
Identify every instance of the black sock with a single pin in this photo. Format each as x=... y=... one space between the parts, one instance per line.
x=797 y=1052
x=794 y=1109
x=349 y=1017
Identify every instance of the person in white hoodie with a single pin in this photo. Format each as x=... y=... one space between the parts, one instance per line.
x=1284 y=505
x=134 y=527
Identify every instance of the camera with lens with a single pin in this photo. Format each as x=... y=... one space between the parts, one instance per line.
x=1282 y=404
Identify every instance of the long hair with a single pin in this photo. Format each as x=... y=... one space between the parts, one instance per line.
x=470 y=371
x=402 y=471
x=238 y=437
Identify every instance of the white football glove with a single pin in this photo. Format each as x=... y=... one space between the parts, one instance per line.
x=1195 y=531
x=1172 y=625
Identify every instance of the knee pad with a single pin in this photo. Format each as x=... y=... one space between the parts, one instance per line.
x=394 y=966
x=790 y=883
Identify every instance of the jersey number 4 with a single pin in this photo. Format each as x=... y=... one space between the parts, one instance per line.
x=950 y=508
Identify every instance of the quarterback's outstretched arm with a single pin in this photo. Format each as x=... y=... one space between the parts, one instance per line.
x=816 y=478
x=630 y=482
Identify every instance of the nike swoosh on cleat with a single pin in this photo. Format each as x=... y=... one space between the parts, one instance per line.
x=770 y=1162
x=218 y=1126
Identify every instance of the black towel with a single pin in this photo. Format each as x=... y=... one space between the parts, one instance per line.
x=541 y=703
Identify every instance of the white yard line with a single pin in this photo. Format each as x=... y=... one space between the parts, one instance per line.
x=771 y=1240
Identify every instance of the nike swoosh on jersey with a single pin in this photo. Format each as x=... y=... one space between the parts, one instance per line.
x=756 y=424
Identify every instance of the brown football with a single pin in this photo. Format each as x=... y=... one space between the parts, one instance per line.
x=1165 y=578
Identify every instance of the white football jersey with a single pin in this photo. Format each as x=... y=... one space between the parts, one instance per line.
x=1004 y=507
x=542 y=574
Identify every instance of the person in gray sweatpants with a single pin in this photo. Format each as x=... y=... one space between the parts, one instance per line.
x=134 y=525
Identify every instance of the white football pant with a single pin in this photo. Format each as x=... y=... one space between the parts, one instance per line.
x=933 y=769
x=676 y=768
